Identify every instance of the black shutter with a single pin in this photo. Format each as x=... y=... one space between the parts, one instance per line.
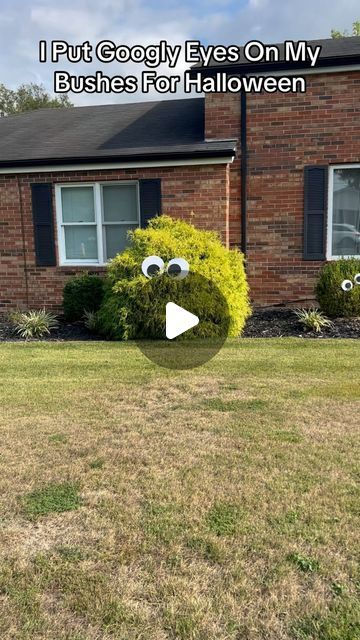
x=315 y=203
x=43 y=224
x=150 y=199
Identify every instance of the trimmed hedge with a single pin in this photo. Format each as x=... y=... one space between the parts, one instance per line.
x=129 y=308
x=82 y=293
x=335 y=302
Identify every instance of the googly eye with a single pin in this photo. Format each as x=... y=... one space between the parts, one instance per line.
x=346 y=285
x=152 y=266
x=357 y=279
x=178 y=268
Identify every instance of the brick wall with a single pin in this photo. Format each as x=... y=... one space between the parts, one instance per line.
x=285 y=133
x=222 y=121
x=197 y=193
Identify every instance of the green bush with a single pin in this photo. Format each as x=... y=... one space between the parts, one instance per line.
x=82 y=293
x=312 y=319
x=34 y=324
x=91 y=321
x=333 y=301
x=129 y=309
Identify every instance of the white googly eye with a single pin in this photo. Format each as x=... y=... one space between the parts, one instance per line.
x=178 y=268
x=346 y=285
x=152 y=266
x=357 y=279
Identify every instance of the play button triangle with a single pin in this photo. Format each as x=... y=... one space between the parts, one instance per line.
x=178 y=320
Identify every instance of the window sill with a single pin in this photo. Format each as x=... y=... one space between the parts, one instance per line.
x=76 y=265
x=346 y=257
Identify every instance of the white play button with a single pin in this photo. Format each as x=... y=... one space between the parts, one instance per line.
x=178 y=320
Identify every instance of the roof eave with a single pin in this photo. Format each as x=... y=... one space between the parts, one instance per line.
x=258 y=67
x=167 y=156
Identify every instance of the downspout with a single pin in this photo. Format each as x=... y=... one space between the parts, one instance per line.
x=244 y=170
x=23 y=241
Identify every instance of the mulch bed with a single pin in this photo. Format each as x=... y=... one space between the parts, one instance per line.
x=264 y=323
x=282 y=322
x=66 y=331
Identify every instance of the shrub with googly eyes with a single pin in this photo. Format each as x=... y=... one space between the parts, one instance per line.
x=167 y=261
x=152 y=266
x=177 y=268
x=338 y=288
x=346 y=285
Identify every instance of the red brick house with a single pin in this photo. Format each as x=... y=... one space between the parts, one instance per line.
x=278 y=175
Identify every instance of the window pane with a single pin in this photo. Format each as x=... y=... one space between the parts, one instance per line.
x=120 y=203
x=116 y=238
x=81 y=242
x=346 y=212
x=78 y=204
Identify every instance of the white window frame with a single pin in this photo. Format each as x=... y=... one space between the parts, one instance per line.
x=332 y=170
x=99 y=220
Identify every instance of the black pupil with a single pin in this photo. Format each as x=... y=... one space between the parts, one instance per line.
x=153 y=269
x=174 y=270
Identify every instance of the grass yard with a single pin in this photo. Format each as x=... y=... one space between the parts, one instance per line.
x=213 y=504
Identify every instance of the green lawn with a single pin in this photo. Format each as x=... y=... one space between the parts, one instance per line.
x=219 y=503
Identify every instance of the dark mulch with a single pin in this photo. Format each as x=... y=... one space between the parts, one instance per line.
x=66 y=331
x=264 y=323
x=282 y=322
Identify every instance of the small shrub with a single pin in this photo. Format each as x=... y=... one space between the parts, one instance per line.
x=333 y=301
x=91 y=321
x=14 y=316
x=82 y=293
x=34 y=324
x=54 y=498
x=312 y=319
x=131 y=309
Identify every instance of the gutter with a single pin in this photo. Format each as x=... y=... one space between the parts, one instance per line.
x=116 y=160
x=253 y=68
x=104 y=166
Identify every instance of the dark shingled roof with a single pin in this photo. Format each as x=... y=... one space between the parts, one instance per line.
x=334 y=52
x=137 y=131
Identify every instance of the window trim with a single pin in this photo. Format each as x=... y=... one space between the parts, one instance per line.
x=330 y=209
x=99 y=220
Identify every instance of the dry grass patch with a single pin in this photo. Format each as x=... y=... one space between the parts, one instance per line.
x=219 y=503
